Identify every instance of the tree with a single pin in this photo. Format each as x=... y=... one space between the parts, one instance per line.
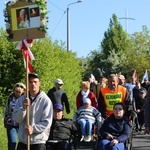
x=114 y=44
x=112 y=49
x=120 y=52
x=51 y=61
x=11 y=66
x=138 y=54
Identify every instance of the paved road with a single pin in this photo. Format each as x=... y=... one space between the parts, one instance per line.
x=141 y=142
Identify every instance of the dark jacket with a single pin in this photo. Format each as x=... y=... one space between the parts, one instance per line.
x=59 y=96
x=8 y=118
x=140 y=104
x=62 y=129
x=136 y=93
x=119 y=128
x=147 y=109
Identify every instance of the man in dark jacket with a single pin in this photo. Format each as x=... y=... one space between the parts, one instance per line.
x=62 y=130
x=57 y=95
x=147 y=113
x=140 y=106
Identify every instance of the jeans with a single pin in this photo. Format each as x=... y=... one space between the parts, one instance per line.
x=86 y=126
x=105 y=145
x=12 y=135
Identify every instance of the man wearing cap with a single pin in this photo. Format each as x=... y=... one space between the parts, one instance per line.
x=57 y=95
x=121 y=80
x=140 y=106
x=40 y=116
x=61 y=130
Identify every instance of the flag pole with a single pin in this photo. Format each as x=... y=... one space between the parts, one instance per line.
x=27 y=108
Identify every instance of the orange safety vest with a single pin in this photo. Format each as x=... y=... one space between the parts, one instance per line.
x=97 y=89
x=110 y=98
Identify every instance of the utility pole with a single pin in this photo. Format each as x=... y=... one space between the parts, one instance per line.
x=68 y=24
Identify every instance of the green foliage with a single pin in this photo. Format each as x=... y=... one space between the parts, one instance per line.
x=94 y=62
x=51 y=61
x=121 y=53
x=112 y=50
x=114 y=45
x=138 y=54
x=3 y=137
x=114 y=38
x=11 y=66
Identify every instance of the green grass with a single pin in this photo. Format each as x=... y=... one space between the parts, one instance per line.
x=3 y=136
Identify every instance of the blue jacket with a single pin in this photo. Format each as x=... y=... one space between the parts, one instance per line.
x=119 y=128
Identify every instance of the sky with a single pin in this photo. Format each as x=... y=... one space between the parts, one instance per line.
x=89 y=20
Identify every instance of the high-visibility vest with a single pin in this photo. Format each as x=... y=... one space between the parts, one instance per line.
x=110 y=98
x=97 y=88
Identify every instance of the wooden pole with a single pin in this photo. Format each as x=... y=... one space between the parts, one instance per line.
x=27 y=96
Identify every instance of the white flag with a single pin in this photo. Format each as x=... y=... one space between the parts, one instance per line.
x=145 y=77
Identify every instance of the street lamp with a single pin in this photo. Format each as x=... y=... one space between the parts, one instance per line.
x=68 y=24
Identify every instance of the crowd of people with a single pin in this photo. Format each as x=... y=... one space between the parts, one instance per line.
x=108 y=104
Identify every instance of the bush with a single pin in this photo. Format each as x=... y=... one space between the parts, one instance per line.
x=3 y=137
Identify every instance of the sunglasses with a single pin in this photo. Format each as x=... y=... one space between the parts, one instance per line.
x=18 y=85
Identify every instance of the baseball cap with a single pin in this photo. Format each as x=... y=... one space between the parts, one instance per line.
x=59 y=81
x=58 y=106
x=121 y=77
x=33 y=75
x=86 y=100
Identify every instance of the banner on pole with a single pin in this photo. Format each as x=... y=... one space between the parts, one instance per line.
x=25 y=47
x=25 y=20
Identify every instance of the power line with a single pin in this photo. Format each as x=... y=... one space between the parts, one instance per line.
x=56 y=6
x=58 y=23
x=60 y=17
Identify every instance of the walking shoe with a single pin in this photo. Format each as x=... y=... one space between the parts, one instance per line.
x=88 y=138
x=82 y=138
x=142 y=127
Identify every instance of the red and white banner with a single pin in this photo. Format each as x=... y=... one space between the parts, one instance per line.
x=135 y=76
x=25 y=47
